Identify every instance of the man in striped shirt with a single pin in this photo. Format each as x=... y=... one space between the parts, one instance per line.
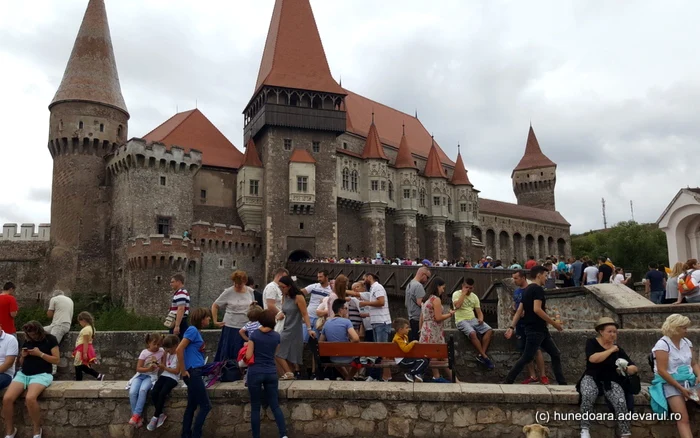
x=318 y=292
x=180 y=304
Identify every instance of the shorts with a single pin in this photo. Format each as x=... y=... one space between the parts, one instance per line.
x=43 y=379
x=467 y=326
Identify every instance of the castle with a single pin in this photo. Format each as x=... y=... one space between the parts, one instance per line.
x=326 y=172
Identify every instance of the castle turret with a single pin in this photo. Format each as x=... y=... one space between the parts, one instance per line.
x=250 y=188
x=466 y=208
x=436 y=205
x=88 y=120
x=535 y=176
x=407 y=205
x=296 y=105
x=375 y=195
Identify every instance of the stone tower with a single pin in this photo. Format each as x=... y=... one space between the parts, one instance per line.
x=466 y=209
x=535 y=176
x=407 y=204
x=88 y=120
x=373 y=211
x=297 y=110
x=437 y=206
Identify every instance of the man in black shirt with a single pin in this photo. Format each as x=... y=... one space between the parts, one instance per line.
x=604 y=271
x=532 y=309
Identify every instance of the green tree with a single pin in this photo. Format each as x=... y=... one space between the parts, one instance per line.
x=628 y=244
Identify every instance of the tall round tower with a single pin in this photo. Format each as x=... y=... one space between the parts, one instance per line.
x=88 y=120
x=535 y=176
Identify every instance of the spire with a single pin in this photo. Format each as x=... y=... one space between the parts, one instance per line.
x=533 y=157
x=433 y=168
x=459 y=176
x=404 y=159
x=294 y=55
x=373 y=145
x=91 y=74
x=251 y=158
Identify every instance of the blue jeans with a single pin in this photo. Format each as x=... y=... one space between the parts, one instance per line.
x=5 y=380
x=196 y=396
x=264 y=386
x=577 y=281
x=138 y=393
x=305 y=332
x=657 y=296
x=381 y=332
x=534 y=340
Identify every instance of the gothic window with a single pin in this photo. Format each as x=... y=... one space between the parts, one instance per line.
x=353 y=181
x=302 y=184
x=436 y=201
x=80 y=124
x=316 y=145
x=287 y=144
x=463 y=207
x=375 y=185
x=163 y=225
x=449 y=204
x=406 y=194
x=391 y=191
x=422 y=198
x=254 y=185
x=383 y=186
x=102 y=127
x=346 y=178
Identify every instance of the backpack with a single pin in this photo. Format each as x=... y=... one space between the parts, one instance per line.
x=686 y=284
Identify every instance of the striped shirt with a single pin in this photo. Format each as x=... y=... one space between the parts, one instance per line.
x=181 y=298
x=354 y=313
x=317 y=293
x=250 y=327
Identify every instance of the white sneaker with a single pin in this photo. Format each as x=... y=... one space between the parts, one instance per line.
x=13 y=434
x=370 y=379
x=585 y=433
x=39 y=435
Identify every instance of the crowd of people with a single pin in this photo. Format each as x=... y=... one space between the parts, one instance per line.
x=264 y=335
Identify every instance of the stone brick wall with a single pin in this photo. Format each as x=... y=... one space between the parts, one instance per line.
x=118 y=352
x=219 y=206
x=20 y=262
x=338 y=409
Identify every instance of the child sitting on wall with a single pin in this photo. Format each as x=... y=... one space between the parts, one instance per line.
x=166 y=382
x=146 y=376
x=415 y=367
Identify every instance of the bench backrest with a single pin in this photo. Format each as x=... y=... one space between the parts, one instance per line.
x=381 y=349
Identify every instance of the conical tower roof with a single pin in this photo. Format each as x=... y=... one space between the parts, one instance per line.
x=533 y=157
x=251 y=158
x=404 y=159
x=91 y=74
x=459 y=177
x=433 y=168
x=373 y=145
x=294 y=55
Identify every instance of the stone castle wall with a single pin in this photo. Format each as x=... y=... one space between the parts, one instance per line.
x=340 y=409
x=22 y=262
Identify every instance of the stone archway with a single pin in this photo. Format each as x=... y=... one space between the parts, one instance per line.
x=541 y=247
x=561 y=247
x=530 y=246
x=299 y=255
x=518 y=248
x=490 y=243
x=504 y=247
x=551 y=248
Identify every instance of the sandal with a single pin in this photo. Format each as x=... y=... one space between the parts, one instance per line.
x=287 y=376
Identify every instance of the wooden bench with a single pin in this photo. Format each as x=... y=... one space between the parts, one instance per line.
x=388 y=350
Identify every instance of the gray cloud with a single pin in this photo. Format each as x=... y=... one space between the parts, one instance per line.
x=610 y=103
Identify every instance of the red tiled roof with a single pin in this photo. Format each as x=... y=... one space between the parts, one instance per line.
x=294 y=56
x=301 y=156
x=499 y=208
x=389 y=122
x=91 y=74
x=192 y=130
x=433 y=168
x=373 y=145
x=533 y=157
x=251 y=158
x=404 y=159
x=459 y=177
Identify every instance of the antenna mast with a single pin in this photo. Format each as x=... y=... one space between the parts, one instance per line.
x=632 y=210
x=605 y=220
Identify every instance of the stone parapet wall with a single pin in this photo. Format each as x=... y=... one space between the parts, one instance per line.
x=26 y=232
x=338 y=409
x=118 y=352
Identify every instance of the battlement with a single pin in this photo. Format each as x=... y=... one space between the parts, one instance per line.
x=159 y=251
x=82 y=146
x=26 y=232
x=138 y=153
x=226 y=238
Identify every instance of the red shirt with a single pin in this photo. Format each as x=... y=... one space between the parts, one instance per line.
x=8 y=304
x=530 y=264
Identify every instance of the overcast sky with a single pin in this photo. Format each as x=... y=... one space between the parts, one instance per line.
x=610 y=87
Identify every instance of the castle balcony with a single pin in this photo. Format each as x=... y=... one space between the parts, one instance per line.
x=287 y=116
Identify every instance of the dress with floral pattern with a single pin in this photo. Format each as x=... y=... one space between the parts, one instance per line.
x=431 y=332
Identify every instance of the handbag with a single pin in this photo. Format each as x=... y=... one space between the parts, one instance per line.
x=169 y=322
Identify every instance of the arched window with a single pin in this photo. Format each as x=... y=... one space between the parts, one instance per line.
x=346 y=178
x=391 y=191
x=80 y=124
x=422 y=197
x=353 y=181
x=449 y=204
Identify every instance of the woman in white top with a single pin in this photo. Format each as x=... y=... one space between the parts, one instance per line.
x=236 y=300
x=672 y=295
x=673 y=354
x=590 y=274
x=619 y=276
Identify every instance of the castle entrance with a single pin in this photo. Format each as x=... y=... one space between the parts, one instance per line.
x=299 y=255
